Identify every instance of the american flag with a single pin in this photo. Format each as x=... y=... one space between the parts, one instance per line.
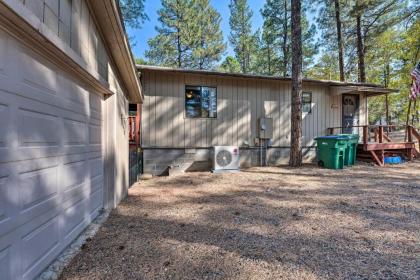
x=415 y=85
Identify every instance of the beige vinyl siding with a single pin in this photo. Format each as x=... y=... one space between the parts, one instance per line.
x=73 y=23
x=240 y=102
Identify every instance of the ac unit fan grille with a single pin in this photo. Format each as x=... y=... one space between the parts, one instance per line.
x=223 y=158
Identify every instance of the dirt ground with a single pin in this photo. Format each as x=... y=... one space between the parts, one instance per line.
x=263 y=223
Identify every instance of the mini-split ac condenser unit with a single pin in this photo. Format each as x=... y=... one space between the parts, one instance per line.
x=226 y=158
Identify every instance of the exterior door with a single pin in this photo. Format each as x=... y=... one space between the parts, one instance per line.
x=350 y=113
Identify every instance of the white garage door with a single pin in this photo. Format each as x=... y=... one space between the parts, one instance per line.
x=51 y=170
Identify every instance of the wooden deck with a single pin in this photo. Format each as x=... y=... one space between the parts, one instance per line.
x=376 y=144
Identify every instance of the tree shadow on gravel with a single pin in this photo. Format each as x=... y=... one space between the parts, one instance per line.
x=271 y=230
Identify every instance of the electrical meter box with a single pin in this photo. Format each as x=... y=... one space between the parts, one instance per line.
x=265 y=128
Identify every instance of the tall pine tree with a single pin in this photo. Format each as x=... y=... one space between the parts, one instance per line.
x=189 y=35
x=209 y=46
x=241 y=37
x=277 y=16
x=372 y=18
x=330 y=20
x=268 y=59
x=172 y=45
x=230 y=65
x=133 y=12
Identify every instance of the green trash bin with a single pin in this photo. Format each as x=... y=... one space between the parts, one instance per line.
x=331 y=150
x=350 y=153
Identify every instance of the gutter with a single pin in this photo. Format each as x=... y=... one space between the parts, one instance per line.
x=252 y=76
x=108 y=16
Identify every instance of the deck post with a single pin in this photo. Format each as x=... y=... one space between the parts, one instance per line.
x=409 y=133
x=381 y=134
x=410 y=154
x=365 y=134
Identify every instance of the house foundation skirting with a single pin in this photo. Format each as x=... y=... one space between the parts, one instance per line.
x=158 y=161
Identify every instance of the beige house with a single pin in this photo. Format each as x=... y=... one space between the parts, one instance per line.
x=187 y=112
x=66 y=79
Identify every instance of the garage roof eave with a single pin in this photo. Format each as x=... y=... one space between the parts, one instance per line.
x=109 y=19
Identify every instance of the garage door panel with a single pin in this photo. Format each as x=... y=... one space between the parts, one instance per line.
x=74 y=149
x=37 y=245
x=28 y=153
x=74 y=132
x=37 y=164
x=95 y=116
x=74 y=96
x=75 y=194
x=4 y=123
x=38 y=190
x=8 y=204
x=5 y=257
x=94 y=154
x=37 y=128
x=69 y=158
x=74 y=176
x=73 y=173
x=95 y=202
x=74 y=219
x=95 y=134
x=95 y=149
x=95 y=167
x=73 y=92
x=96 y=184
x=95 y=103
x=4 y=203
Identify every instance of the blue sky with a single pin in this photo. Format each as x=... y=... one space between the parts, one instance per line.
x=222 y=6
x=148 y=30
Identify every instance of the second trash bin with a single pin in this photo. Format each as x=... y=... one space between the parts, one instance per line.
x=330 y=151
x=350 y=153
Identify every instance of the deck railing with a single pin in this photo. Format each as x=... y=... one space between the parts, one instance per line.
x=132 y=128
x=405 y=139
x=382 y=133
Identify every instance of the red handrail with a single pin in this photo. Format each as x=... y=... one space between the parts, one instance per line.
x=132 y=128
x=380 y=136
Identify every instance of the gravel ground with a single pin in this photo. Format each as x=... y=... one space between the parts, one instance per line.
x=263 y=223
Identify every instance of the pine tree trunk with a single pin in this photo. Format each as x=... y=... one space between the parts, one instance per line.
x=178 y=41
x=360 y=50
x=339 y=40
x=296 y=114
x=244 y=59
x=284 y=47
x=269 y=60
x=386 y=83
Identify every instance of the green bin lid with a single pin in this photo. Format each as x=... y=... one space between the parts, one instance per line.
x=349 y=135
x=336 y=137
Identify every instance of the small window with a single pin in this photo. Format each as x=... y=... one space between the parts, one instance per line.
x=307 y=102
x=200 y=102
